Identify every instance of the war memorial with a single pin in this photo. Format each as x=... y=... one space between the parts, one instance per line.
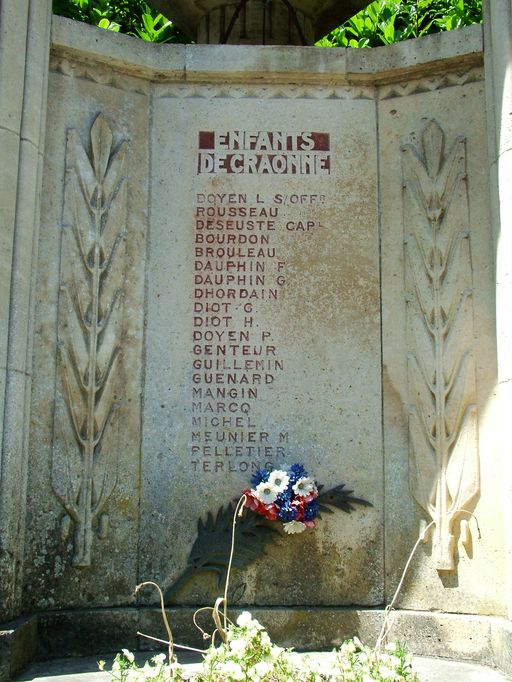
x=237 y=255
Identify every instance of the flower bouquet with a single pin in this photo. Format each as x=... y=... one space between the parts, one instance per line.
x=289 y=494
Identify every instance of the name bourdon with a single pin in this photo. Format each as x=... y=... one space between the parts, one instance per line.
x=222 y=238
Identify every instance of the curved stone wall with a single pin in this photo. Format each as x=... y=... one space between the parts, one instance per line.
x=254 y=256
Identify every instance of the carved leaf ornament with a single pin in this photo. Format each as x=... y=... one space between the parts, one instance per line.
x=85 y=453
x=444 y=463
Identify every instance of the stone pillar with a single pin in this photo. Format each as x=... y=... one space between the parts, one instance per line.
x=498 y=74
x=24 y=53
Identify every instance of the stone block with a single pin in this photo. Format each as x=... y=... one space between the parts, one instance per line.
x=501 y=641
x=89 y=632
x=13 y=34
x=18 y=646
x=409 y=57
x=95 y=46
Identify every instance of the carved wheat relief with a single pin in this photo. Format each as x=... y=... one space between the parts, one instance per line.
x=85 y=453
x=444 y=464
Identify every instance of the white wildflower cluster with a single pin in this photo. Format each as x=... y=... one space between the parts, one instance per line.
x=125 y=669
x=250 y=656
x=356 y=662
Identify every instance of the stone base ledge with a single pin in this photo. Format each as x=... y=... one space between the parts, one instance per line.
x=18 y=646
x=482 y=639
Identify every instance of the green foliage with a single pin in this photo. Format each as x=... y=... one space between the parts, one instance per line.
x=390 y=21
x=125 y=669
x=134 y=17
x=381 y=23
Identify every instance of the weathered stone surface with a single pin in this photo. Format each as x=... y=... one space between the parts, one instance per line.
x=23 y=80
x=335 y=387
x=85 y=632
x=18 y=646
x=400 y=125
x=442 y=58
x=265 y=321
x=498 y=22
x=501 y=642
x=83 y=514
x=471 y=638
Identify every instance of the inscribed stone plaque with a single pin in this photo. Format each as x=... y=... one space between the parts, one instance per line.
x=263 y=331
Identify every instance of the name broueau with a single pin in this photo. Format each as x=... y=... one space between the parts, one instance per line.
x=264 y=152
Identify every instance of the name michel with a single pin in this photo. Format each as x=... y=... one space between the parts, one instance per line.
x=264 y=152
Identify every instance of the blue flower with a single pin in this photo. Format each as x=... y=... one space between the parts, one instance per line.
x=287 y=512
x=295 y=472
x=311 y=510
x=284 y=497
x=259 y=476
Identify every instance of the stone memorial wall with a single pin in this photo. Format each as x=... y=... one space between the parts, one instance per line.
x=247 y=257
x=259 y=353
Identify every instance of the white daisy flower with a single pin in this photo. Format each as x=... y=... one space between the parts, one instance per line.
x=262 y=668
x=244 y=619
x=233 y=670
x=238 y=646
x=304 y=486
x=128 y=655
x=266 y=492
x=279 y=479
x=293 y=527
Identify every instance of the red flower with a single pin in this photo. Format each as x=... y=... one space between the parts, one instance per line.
x=270 y=511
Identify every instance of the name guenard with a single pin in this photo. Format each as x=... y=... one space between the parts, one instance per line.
x=264 y=152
